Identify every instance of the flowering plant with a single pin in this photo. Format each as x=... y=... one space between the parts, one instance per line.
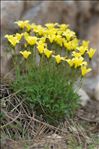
x=53 y=59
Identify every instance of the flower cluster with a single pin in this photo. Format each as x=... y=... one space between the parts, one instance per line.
x=55 y=41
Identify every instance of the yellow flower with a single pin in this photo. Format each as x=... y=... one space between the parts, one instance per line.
x=85 y=44
x=76 y=54
x=81 y=49
x=84 y=63
x=38 y=29
x=77 y=61
x=68 y=45
x=51 y=25
x=43 y=39
x=51 y=32
x=51 y=38
x=22 y=24
x=74 y=43
x=13 y=40
x=71 y=45
x=59 y=40
x=41 y=42
x=63 y=27
x=70 y=62
x=18 y=36
x=25 y=34
x=85 y=70
x=69 y=34
x=48 y=53
x=91 y=52
x=84 y=47
x=40 y=47
x=28 y=26
x=59 y=32
x=25 y=53
x=31 y=40
x=58 y=58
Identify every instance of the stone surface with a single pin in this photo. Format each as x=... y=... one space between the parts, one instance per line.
x=90 y=85
x=51 y=11
x=93 y=37
x=10 y=12
x=30 y=4
x=84 y=98
x=97 y=91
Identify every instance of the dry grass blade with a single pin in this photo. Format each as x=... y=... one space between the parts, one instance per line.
x=20 y=122
x=13 y=119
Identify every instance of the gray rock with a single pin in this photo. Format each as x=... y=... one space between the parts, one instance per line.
x=97 y=91
x=30 y=4
x=84 y=98
x=10 y=12
x=51 y=11
x=93 y=37
x=91 y=87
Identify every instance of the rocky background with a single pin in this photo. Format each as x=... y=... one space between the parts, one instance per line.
x=83 y=17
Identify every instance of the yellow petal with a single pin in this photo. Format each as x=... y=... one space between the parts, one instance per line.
x=40 y=48
x=58 y=58
x=91 y=52
x=22 y=24
x=85 y=70
x=70 y=62
x=31 y=40
x=25 y=53
x=48 y=53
